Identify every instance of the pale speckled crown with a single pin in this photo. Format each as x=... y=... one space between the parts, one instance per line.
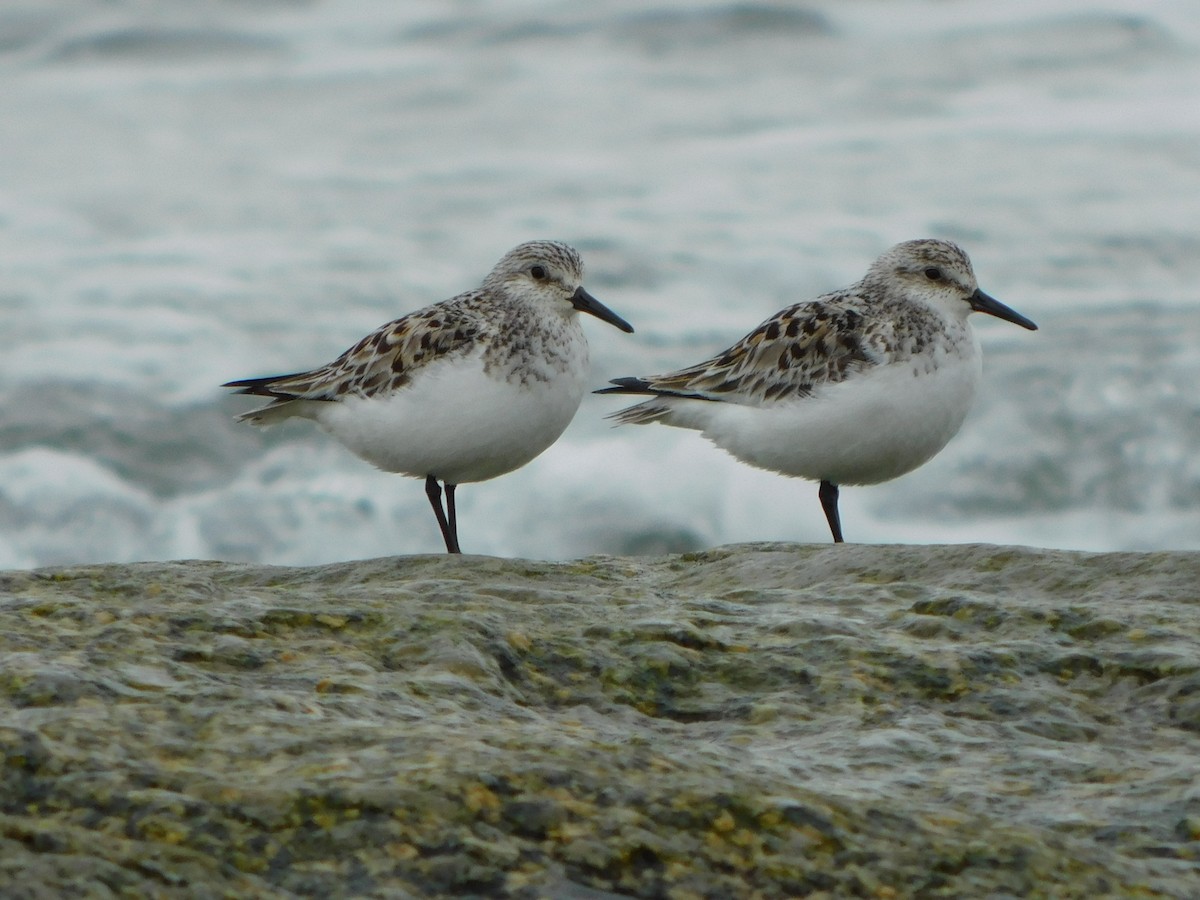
x=913 y=257
x=562 y=258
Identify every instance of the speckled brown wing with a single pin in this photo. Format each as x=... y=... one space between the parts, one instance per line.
x=786 y=357
x=384 y=360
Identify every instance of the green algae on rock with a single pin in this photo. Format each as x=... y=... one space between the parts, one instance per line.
x=753 y=721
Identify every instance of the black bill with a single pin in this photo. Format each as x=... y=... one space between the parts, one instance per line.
x=981 y=302
x=585 y=302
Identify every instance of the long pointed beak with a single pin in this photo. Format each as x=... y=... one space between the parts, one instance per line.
x=585 y=302
x=981 y=302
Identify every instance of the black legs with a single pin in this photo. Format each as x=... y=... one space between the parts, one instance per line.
x=829 y=498
x=452 y=518
x=449 y=525
x=447 y=517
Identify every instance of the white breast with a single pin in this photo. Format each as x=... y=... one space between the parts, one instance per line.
x=871 y=428
x=457 y=422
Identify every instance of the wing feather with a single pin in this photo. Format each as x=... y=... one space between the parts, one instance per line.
x=786 y=357
x=383 y=361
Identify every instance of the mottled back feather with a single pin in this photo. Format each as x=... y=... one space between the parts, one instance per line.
x=386 y=359
x=493 y=319
x=819 y=342
x=783 y=358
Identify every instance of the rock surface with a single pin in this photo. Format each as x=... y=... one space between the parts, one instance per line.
x=755 y=721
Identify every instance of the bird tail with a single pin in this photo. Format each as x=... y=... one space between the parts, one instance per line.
x=642 y=413
x=283 y=405
x=272 y=413
x=659 y=408
x=265 y=387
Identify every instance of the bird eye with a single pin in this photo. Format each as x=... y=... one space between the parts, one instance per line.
x=933 y=273
x=538 y=273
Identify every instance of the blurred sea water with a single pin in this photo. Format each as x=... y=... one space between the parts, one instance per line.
x=196 y=192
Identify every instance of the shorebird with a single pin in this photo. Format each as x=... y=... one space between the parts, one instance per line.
x=463 y=390
x=858 y=386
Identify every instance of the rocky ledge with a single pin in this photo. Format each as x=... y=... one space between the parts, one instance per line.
x=755 y=721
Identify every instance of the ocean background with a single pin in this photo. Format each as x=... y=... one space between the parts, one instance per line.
x=191 y=193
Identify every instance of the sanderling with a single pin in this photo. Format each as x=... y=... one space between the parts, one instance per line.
x=462 y=390
x=857 y=386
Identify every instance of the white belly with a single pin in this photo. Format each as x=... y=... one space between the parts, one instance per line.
x=455 y=422
x=869 y=429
